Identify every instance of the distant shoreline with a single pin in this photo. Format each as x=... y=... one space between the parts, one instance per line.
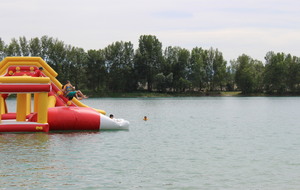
x=186 y=94
x=144 y=94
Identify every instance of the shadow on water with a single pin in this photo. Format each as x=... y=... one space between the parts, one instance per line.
x=24 y=138
x=13 y=140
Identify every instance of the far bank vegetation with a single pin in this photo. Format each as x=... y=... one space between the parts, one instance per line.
x=119 y=68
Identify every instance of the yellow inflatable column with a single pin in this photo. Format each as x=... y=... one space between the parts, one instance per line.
x=36 y=100
x=42 y=108
x=2 y=105
x=28 y=104
x=21 y=107
x=51 y=101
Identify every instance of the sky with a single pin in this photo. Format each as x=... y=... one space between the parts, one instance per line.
x=234 y=27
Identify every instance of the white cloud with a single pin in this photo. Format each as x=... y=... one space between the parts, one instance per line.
x=233 y=26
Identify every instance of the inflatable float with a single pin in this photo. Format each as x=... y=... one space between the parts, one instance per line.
x=51 y=111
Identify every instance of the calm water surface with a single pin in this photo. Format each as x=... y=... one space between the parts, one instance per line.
x=188 y=143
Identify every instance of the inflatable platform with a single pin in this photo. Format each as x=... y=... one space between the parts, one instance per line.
x=40 y=103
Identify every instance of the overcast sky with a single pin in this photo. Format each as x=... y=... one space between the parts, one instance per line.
x=234 y=27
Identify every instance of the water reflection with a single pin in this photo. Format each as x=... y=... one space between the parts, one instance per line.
x=23 y=140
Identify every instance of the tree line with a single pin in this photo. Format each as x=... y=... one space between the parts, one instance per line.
x=121 y=68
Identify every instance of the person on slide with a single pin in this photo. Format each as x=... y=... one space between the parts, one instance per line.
x=70 y=92
x=38 y=72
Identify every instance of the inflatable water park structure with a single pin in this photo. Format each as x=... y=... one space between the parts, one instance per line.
x=51 y=110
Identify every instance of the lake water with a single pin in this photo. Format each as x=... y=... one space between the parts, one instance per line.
x=211 y=143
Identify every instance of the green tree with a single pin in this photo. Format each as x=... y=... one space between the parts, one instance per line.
x=2 y=49
x=215 y=69
x=96 y=71
x=74 y=67
x=160 y=82
x=183 y=84
x=119 y=61
x=148 y=59
x=207 y=57
x=45 y=47
x=13 y=49
x=178 y=60
x=230 y=75
x=169 y=81
x=249 y=74
x=170 y=59
x=258 y=76
x=35 y=47
x=197 y=71
x=57 y=56
x=293 y=73
x=275 y=73
x=219 y=70
x=181 y=69
x=24 y=46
